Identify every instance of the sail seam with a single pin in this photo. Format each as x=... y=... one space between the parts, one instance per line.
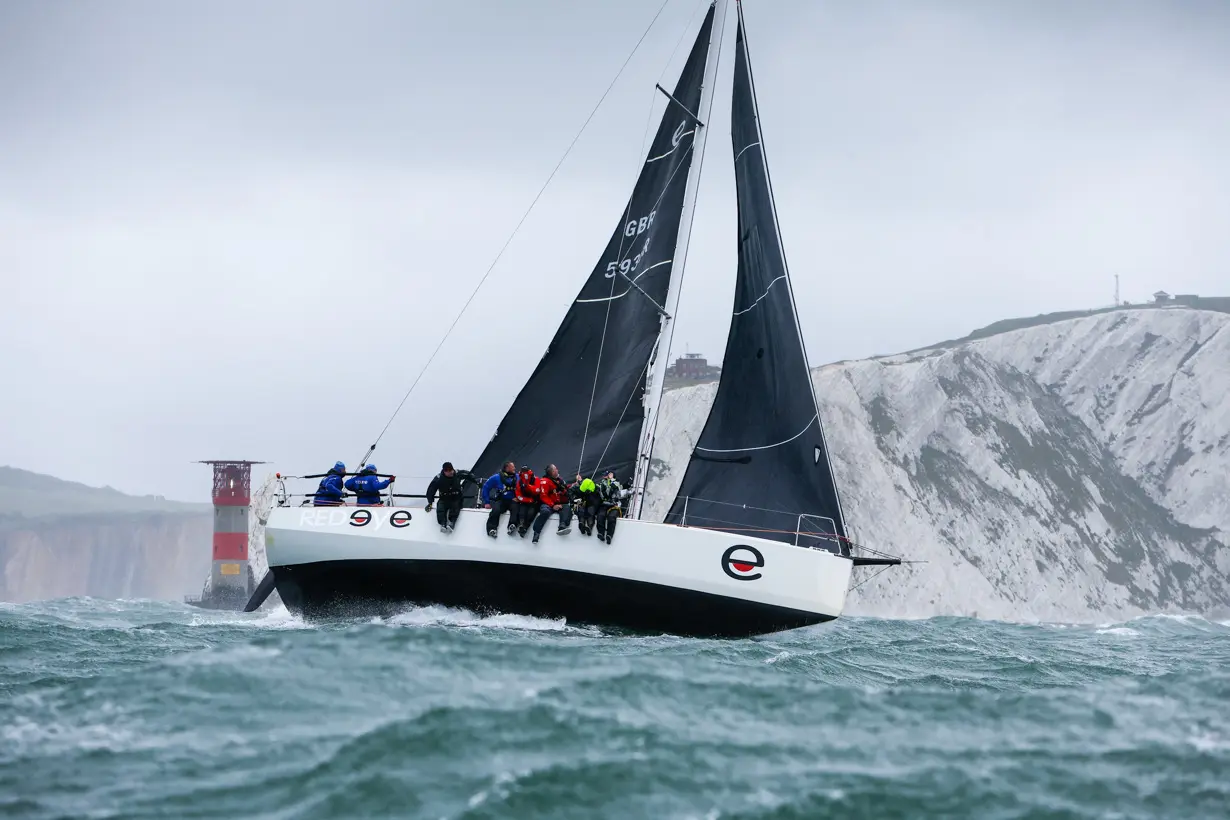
x=634 y=280
x=753 y=145
x=619 y=255
x=762 y=296
x=674 y=148
x=766 y=446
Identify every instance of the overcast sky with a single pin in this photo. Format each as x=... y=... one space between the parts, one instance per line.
x=238 y=229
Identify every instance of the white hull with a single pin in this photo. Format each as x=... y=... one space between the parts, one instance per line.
x=652 y=576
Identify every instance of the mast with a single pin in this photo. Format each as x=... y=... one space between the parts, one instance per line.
x=658 y=364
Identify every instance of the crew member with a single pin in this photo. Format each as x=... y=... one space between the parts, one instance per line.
x=574 y=497
x=329 y=493
x=610 y=494
x=587 y=503
x=367 y=486
x=552 y=498
x=498 y=495
x=450 y=484
x=526 y=496
x=625 y=498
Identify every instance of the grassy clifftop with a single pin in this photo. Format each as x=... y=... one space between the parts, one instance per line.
x=1219 y=304
x=26 y=495
x=61 y=538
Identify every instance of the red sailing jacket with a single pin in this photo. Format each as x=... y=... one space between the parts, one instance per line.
x=527 y=488
x=552 y=493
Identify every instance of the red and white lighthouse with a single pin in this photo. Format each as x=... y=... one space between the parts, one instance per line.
x=230 y=580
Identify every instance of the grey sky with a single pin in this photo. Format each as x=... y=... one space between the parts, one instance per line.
x=236 y=229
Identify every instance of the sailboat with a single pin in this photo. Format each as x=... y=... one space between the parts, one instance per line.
x=754 y=541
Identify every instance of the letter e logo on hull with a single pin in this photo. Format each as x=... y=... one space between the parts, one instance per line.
x=741 y=561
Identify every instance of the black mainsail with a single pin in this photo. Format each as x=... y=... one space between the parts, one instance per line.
x=582 y=408
x=760 y=467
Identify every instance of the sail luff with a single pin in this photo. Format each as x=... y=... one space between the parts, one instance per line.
x=764 y=158
x=661 y=354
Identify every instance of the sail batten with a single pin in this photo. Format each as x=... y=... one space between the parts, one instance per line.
x=581 y=408
x=760 y=465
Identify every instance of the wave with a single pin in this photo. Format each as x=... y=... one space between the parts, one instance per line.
x=449 y=616
x=149 y=709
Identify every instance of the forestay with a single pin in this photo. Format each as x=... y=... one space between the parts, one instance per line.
x=760 y=466
x=582 y=407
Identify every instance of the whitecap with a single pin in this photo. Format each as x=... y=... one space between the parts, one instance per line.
x=441 y=615
x=1207 y=742
x=1180 y=617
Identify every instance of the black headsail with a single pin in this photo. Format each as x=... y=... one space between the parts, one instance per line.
x=760 y=467
x=582 y=407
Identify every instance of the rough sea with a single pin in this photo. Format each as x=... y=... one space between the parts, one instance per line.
x=150 y=709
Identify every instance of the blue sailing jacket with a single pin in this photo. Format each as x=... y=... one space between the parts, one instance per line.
x=329 y=493
x=367 y=487
x=499 y=486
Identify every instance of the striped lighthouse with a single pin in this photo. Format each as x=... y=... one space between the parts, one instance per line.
x=230 y=580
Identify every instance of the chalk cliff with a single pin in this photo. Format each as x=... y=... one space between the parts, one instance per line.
x=59 y=538
x=1072 y=470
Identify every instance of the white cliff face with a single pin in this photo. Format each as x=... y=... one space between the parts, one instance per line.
x=1073 y=471
x=161 y=555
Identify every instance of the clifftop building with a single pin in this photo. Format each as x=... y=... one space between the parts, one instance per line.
x=1219 y=303
x=691 y=368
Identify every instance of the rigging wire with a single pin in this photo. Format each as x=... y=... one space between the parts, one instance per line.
x=868 y=578
x=516 y=229
x=593 y=393
x=619 y=257
x=614 y=430
x=650 y=430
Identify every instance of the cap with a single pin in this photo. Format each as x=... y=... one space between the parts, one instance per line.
x=448 y=465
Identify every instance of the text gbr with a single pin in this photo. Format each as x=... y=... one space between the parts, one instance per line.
x=634 y=228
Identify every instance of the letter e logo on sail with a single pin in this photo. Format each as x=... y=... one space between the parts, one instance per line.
x=678 y=135
x=741 y=561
